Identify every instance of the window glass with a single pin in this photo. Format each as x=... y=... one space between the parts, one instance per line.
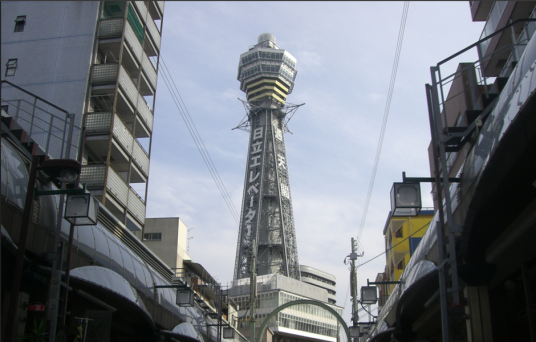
x=135 y=22
x=113 y=9
x=19 y=23
x=116 y=263
x=11 y=66
x=152 y=236
x=102 y=250
x=86 y=240
x=129 y=273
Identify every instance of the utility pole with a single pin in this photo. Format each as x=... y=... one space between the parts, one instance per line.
x=353 y=283
x=252 y=292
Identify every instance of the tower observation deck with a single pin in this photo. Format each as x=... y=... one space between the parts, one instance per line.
x=266 y=74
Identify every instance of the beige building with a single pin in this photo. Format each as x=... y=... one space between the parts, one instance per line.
x=166 y=237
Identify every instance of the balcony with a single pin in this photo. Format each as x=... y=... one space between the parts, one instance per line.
x=160 y=6
x=140 y=158
x=142 y=9
x=111 y=27
x=149 y=23
x=145 y=116
x=154 y=34
x=128 y=87
x=94 y=176
x=123 y=135
x=150 y=73
x=104 y=73
x=98 y=128
x=133 y=42
x=155 y=9
x=136 y=206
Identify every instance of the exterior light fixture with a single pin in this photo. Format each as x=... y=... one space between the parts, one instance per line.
x=406 y=199
x=81 y=210
x=369 y=295
x=67 y=170
x=355 y=331
x=185 y=296
x=228 y=333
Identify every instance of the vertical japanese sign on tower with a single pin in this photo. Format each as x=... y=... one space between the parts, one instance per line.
x=266 y=74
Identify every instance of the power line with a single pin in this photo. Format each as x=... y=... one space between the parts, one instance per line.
x=194 y=133
x=385 y=116
x=388 y=249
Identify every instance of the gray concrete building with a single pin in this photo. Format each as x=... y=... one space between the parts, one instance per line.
x=324 y=280
x=99 y=61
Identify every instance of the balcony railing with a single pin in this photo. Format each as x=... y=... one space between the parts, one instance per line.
x=160 y=6
x=111 y=27
x=126 y=84
x=117 y=186
x=136 y=206
x=122 y=134
x=98 y=122
x=94 y=176
x=140 y=157
x=149 y=70
x=133 y=43
x=154 y=34
x=104 y=73
x=142 y=10
x=145 y=113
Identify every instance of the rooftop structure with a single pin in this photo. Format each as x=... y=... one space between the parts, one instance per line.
x=316 y=277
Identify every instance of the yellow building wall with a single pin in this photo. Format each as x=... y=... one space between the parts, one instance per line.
x=397 y=243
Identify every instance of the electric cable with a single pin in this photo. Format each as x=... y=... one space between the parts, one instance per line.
x=388 y=249
x=194 y=133
x=385 y=117
x=202 y=143
x=203 y=152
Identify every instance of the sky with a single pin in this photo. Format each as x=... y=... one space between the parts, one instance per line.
x=345 y=52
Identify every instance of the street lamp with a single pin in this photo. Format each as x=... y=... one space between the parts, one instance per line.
x=228 y=333
x=65 y=169
x=185 y=296
x=405 y=199
x=355 y=331
x=81 y=210
x=369 y=295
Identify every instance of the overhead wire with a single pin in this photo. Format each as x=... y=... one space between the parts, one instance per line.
x=384 y=122
x=194 y=133
x=390 y=248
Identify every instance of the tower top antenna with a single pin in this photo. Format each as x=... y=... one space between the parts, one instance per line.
x=266 y=36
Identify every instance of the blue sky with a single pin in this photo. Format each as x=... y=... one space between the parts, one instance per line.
x=345 y=53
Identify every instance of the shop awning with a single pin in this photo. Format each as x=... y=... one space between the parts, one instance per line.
x=111 y=283
x=184 y=332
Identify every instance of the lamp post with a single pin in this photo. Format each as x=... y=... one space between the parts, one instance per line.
x=67 y=170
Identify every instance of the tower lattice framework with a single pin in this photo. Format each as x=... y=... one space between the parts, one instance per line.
x=267 y=75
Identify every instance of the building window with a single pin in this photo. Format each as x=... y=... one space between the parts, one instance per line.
x=11 y=66
x=152 y=236
x=4 y=109
x=19 y=23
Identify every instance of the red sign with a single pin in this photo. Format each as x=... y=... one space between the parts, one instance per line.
x=36 y=307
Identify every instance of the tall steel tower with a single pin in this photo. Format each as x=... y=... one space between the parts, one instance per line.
x=266 y=74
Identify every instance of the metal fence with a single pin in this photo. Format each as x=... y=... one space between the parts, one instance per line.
x=47 y=124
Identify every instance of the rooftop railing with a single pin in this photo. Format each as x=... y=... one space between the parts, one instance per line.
x=52 y=127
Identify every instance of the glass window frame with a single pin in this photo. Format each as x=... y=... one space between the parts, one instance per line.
x=20 y=22
x=11 y=67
